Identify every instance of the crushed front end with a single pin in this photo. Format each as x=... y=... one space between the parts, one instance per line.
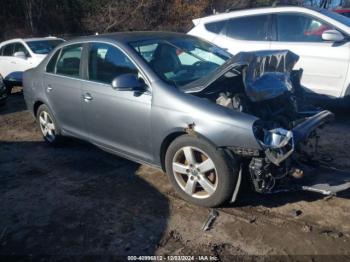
x=285 y=153
x=264 y=84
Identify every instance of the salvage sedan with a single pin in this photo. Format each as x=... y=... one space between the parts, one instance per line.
x=179 y=103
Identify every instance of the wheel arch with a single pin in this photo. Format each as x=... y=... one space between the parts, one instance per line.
x=174 y=135
x=166 y=143
x=36 y=106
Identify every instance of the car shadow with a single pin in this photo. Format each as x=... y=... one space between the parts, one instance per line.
x=14 y=103
x=75 y=199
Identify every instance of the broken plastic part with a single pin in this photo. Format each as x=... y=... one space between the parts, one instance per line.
x=324 y=180
x=238 y=186
x=278 y=144
x=211 y=218
x=277 y=138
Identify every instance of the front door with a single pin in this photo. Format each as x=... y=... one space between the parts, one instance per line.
x=325 y=64
x=116 y=120
x=21 y=64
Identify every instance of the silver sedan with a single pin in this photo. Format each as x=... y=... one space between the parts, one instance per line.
x=181 y=104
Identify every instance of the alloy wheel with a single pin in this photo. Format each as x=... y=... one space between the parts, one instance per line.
x=47 y=126
x=195 y=172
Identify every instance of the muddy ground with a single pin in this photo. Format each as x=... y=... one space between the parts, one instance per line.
x=79 y=200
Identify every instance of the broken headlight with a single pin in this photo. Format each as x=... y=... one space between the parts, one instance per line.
x=278 y=143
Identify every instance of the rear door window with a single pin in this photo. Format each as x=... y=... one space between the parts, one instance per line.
x=249 y=28
x=69 y=61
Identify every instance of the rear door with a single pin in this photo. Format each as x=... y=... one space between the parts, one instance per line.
x=116 y=120
x=325 y=64
x=63 y=87
x=247 y=33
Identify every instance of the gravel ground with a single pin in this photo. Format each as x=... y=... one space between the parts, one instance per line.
x=79 y=200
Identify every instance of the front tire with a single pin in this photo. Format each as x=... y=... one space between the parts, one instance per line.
x=48 y=125
x=200 y=173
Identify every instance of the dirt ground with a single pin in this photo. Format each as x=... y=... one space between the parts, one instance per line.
x=79 y=200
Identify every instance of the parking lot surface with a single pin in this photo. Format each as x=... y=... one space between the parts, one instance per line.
x=78 y=200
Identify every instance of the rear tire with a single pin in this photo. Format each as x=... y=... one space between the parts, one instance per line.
x=48 y=126
x=200 y=173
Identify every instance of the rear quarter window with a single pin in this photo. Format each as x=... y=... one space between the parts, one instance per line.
x=51 y=66
x=215 y=27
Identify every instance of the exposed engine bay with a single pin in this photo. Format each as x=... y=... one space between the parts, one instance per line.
x=265 y=85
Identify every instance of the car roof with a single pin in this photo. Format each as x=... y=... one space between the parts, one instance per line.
x=134 y=36
x=29 y=39
x=258 y=10
x=41 y=38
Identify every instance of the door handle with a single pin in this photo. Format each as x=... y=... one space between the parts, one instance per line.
x=87 y=97
x=49 y=88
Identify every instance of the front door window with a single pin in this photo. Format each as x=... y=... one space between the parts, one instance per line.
x=300 y=28
x=107 y=62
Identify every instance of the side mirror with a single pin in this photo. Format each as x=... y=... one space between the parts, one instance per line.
x=20 y=54
x=333 y=36
x=127 y=82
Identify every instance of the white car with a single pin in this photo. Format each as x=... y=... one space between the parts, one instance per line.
x=320 y=37
x=19 y=55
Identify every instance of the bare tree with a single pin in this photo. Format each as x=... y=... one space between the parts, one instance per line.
x=112 y=9
x=33 y=12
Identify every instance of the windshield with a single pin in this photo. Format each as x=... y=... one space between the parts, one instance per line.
x=180 y=61
x=339 y=18
x=43 y=47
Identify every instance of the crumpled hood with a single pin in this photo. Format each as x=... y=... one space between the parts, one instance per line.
x=266 y=74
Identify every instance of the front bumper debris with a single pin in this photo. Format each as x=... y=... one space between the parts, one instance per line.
x=280 y=169
x=324 y=180
x=279 y=151
x=302 y=131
